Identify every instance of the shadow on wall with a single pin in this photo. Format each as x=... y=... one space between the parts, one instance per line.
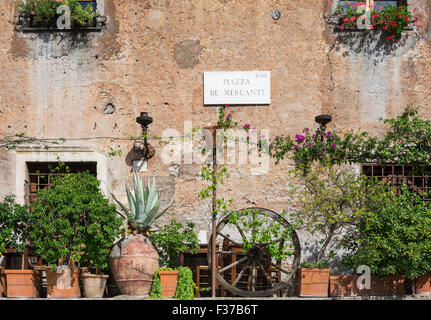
x=310 y=250
x=372 y=45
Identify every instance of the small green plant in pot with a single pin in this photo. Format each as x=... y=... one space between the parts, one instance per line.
x=14 y=222
x=134 y=259
x=171 y=240
x=72 y=222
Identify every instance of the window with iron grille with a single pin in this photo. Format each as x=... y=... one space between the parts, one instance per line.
x=85 y=3
x=419 y=182
x=40 y=175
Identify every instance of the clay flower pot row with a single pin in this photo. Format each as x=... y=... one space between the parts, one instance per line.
x=319 y=283
x=27 y=284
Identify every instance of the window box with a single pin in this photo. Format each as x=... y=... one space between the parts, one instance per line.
x=43 y=16
x=378 y=5
x=392 y=18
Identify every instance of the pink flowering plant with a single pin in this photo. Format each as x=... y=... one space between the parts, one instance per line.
x=407 y=141
x=392 y=20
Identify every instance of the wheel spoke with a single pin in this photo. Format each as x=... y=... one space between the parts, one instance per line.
x=231 y=253
x=265 y=274
x=253 y=276
x=275 y=241
x=233 y=264
x=229 y=239
x=241 y=273
x=280 y=268
x=240 y=231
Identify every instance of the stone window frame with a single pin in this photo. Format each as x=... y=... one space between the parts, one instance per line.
x=53 y=154
x=101 y=22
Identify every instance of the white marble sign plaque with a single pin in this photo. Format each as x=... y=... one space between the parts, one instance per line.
x=242 y=87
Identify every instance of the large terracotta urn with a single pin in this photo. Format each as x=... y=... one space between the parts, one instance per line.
x=133 y=262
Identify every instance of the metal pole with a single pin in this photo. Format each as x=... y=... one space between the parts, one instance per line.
x=214 y=221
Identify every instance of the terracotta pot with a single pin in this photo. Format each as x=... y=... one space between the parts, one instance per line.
x=423 y=284
x=56 y=284
x=313 y=282
x=94 y=285
x=168 y=280
x=133 y=262
x=346 y=286
x=392 y=285
x=22 y=283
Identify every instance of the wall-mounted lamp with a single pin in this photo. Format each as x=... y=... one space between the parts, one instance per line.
x=323 y=120
x=140 y=145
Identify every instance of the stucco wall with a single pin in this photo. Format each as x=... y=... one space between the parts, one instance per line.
x=152 y=58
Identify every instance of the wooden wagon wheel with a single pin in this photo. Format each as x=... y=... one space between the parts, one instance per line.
x=256 y=260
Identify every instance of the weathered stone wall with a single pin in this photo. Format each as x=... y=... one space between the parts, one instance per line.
x=152 y=58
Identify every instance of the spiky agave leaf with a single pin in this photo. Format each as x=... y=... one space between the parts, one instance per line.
x=140 y=197
x=162 y=212
x=131 y=200
x=126 y=212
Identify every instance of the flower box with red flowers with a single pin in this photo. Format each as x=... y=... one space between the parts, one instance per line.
x=386 y=16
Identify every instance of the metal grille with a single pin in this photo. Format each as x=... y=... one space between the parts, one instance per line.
x=40 y=175
x=399 y=174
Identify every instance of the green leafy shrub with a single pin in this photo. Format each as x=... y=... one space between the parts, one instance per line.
x=14 y=221
x=73 y=221
x=186 y=287
x=173 y=239
x=394 y=238
x=329 y=202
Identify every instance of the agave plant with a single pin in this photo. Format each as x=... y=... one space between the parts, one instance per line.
x=144 y=205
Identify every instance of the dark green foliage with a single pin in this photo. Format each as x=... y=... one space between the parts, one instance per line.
x=14 y=220
x=74 y=220
x=186 y=287
x=173 y=239
x=394 y=238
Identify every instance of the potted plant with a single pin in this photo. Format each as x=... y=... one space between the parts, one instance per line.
x=67 y=225
x=184 y=288
x=14 y=222
x=171 y=240
x=102 y=227
x=393 y=241
x=134 y=259
x=329 y=201
x=313 y=279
